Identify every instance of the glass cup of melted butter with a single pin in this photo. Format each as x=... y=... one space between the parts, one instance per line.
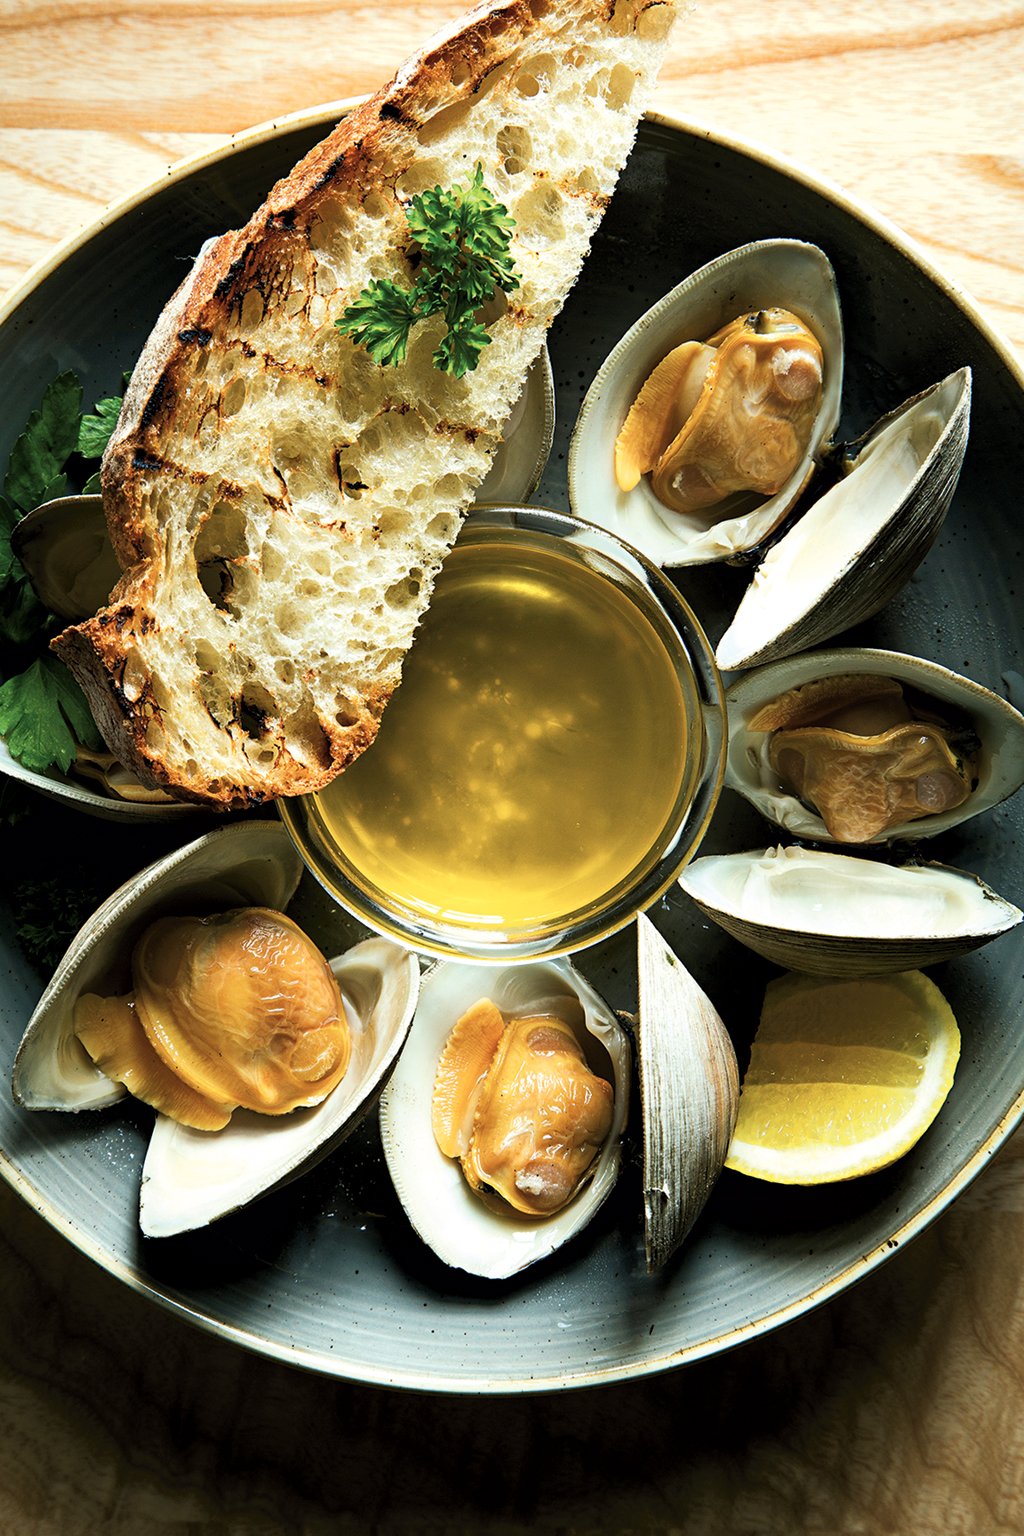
x=550 y=761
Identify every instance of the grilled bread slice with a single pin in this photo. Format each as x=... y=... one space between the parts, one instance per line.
x=279 y=503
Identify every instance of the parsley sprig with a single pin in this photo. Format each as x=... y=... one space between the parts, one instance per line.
x=43 y=712
x=463 y=235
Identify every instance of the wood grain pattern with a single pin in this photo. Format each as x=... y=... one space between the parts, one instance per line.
x=898 y=1409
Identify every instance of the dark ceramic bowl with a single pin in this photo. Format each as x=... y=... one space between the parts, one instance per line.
x=327 y=1273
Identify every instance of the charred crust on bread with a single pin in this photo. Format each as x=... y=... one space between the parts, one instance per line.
x=163 y=477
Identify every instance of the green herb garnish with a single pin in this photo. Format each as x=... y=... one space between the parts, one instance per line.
x=43 y=714
x=96 y=426
x=463 y=236
x=42 y=709
x=49 y=914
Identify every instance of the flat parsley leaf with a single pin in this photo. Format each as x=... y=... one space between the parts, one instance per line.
x=463 y=235
x=43 y=713
x=34 y=472
x=10 y=565
x=96 y=426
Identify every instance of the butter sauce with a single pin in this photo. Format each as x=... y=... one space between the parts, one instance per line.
x=534 y=758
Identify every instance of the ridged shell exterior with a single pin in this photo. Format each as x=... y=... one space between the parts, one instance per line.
x=689 y=1087
x=999 y=726
x=860 y=542
x=460 y=1228
x=832 y=914
x=787 y=274
x=191 y=1178
x=247 y=864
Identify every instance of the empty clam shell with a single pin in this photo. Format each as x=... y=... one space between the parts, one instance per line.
x=833 y=914
x=768 y=274
x=999 y=728
x=689 y=1087
x=860 y=542
x=67 y=555
x=463 y=1230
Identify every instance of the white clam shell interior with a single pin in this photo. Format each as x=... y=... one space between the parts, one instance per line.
x=247 y=864
x=999 y=726
x=806 y=890
x=787 y=274
x=191 y=1178
x=463 y=1231
x=848 y=554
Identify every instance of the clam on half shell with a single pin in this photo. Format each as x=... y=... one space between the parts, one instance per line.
x=192 y=1177
x=849 y=553
x=463 y=1230
x=998 y=726
x=834 y=914
x=767 y=274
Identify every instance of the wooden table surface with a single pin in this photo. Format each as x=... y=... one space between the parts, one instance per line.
x=897 y=1408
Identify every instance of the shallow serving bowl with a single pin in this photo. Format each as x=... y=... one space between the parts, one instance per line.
x=327 y=1273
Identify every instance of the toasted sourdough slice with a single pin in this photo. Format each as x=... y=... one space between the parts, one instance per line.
x=280 y=505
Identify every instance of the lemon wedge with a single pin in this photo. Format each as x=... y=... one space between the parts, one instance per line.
x=844 y=1076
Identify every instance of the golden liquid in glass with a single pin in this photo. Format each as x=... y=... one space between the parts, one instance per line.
x=535 y=753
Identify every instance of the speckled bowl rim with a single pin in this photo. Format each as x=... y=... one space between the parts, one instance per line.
x=322 y=116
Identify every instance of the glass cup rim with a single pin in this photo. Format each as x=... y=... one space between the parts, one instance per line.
x=553 y=938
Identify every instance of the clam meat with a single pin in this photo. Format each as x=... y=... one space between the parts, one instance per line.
x=257 y=1054
x=240 y=1009
x=516 y=1102
x=502 y=1122
x=727 y=416
x=859 y=746
x=866 y=754
x=708 y=418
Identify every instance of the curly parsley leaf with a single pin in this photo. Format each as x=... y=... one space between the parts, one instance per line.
x=35 y=470
x=43 y=714
x=380 y=320
x=463 y=235
x=49 y=914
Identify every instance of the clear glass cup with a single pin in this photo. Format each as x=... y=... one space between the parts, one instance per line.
x=432 y=880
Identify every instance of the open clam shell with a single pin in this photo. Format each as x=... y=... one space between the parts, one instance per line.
x=463 y=1230
x=787 y=274
x=998 y=726
x=833 y=914
x=191 y=1178
x=689 y=1087
x=852 y=551
x=67 y=555
x=247 y=864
